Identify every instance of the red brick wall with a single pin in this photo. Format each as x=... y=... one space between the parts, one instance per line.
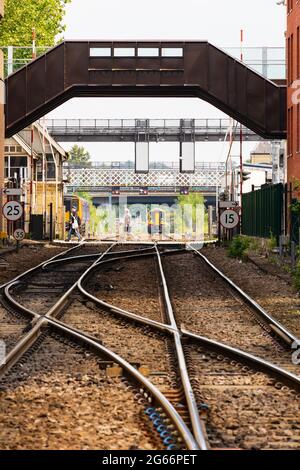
x=293 y=74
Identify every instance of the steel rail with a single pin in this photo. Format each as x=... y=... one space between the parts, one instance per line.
x=92 y=256
x=280 y=330
x=266 y=366
x=15 y=303
x=134 y=373
x=22 y=346
x=124 y=313
x=35 y=268
x=56 y=308
x=36 y=324
x=14 y=282
x=44 y=320
x=197 y=424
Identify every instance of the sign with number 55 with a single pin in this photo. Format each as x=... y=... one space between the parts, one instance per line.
x=12 y=210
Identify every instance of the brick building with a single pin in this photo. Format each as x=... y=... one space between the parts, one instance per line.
x=293 y=74
x=1 y=117
x=35 y=161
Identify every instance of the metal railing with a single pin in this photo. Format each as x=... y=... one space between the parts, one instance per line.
x=268 y=61
x=101 y=175
x=134 y=129
x=156 y=165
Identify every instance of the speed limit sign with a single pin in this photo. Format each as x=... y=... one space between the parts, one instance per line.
x=229 y=219
x=12 y=210
x=19 y=234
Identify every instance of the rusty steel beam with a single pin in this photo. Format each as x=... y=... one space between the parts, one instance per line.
x=204 y=71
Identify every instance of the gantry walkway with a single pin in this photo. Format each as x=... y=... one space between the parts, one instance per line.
x=149 y=130
x=145 y=69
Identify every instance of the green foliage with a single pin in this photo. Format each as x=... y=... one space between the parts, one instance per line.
x=238 y=247
x=295 y=207
x=296 y=276
x=98 y=215
x=272 y=242
x=21 y=17
x=189 y=219
x=296 y=184
x=79 y=155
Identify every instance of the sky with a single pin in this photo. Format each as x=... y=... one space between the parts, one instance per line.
x=219 y=22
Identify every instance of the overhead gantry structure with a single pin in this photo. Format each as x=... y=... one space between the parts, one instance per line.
x=148 y=130
x=145 y=69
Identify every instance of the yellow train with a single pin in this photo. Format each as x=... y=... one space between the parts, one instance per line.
x=82 y=208
x=156 y=221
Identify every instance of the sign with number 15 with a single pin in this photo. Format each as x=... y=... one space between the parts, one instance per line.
x=229 y=219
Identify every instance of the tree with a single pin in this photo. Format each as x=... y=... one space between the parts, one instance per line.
x=193 y=200
x=46 y=16
x=79 y=155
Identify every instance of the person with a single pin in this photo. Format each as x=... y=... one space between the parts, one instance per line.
x=74 y=225
x=127 y=221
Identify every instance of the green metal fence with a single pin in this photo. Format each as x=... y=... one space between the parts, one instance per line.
x=263 y=212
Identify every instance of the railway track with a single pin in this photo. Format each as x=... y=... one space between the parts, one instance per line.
x=208 y=303
x=119 y=295
x=163 y=418
x=131 y=324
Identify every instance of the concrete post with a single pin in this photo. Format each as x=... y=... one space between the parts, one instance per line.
x=210 y=222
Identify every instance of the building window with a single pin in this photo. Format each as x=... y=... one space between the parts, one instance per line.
x=50 y=167
x=124 y=52
x=15 y=167
x=290 y=131
x=172 y=52
x=298 y=52
x=148 y=52
x=38 y=170
x=298 y=128
x=100 y=52
x=289 y=60
x=292 y=59
x=290 y=5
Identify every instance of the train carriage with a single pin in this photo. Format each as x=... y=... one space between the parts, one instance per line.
x=156 y=221
x=83 y=210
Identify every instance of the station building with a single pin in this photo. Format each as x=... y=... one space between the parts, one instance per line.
x=33 y=161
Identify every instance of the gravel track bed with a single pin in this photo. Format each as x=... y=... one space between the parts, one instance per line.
x=59 y=397
x=277 y=296
x=130 y=247
x=136 y=344
x=11 y=327
x=87 y=249
x=46 y=287
x=28 y=257
x=206 y=306
x=246 y=409
x=131 y=285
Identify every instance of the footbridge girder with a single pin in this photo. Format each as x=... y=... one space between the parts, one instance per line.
x=145 y=69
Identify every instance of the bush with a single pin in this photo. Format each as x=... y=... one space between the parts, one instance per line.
x=296 y=276
x=238 y=247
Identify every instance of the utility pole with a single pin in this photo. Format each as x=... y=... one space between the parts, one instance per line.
x=241 y=146
x=33 y=44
